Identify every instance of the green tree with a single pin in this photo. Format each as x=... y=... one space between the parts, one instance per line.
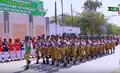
x=67 y=20
x=92 y=21
x=91 y=5
x=113 y=29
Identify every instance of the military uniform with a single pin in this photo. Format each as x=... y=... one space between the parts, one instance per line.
x=83 y=47
x=38 y=50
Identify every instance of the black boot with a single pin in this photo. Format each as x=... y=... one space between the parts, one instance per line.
x=37 y=60
x=57 y=65
x=80 y=60
x=43 y=61
x=53 y=62
x=74 y=62
x=71 y=59
x=27 y=67
x=47 y=60
x=62 y=61
x=65 y=65
x=68 y=62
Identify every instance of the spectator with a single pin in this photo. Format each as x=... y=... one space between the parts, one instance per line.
x=1 y=50
x=5 y=49
x=11 y=50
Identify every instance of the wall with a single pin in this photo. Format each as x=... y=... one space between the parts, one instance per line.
x=39 y=25
x=1 y=24
x=52 y=29
x=19 y=25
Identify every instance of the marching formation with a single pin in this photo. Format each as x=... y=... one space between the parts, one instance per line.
x=56 y=49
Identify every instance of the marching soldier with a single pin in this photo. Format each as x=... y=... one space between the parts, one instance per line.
x=88 y=49
x=108 y=45
x=83 y=47
x=105 y=45
x=62 y=50
x=114 y=43
x=68 y=49
x=27 y=52
x=74 y=49
x=38 y=49
x=45 y=50
x=55 y=54
x=93 y=49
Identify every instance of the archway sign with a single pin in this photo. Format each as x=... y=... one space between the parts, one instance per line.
x=35 y=8
x=115 y=9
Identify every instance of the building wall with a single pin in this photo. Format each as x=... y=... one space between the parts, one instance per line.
x=19 y=25
x=39 y=25
x=1 y=25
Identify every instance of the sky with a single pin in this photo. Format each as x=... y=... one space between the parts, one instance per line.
x=77 y=5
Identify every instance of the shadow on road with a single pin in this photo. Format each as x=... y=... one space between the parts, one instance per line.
x=52 y=68
x=44 y=68
x=19 y=71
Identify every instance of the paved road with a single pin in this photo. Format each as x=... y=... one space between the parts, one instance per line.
x=106 y=64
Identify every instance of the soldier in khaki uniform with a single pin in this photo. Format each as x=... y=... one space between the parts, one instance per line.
x=38 y=48
x=83 y=47
x=114 y=43
x=68 y=49
x=62 y=50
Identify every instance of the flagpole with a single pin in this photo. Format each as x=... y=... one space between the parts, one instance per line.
x=62 y=15
x=56 y=17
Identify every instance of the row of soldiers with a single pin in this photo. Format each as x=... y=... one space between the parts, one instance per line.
x=71 y=48
x=61 y=49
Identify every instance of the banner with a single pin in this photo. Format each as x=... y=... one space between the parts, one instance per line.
x=34 y=8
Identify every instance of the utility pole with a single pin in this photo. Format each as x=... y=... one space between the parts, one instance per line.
x=56 y=17
x=72 y=13
x=30 y=21
x=62 y=15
